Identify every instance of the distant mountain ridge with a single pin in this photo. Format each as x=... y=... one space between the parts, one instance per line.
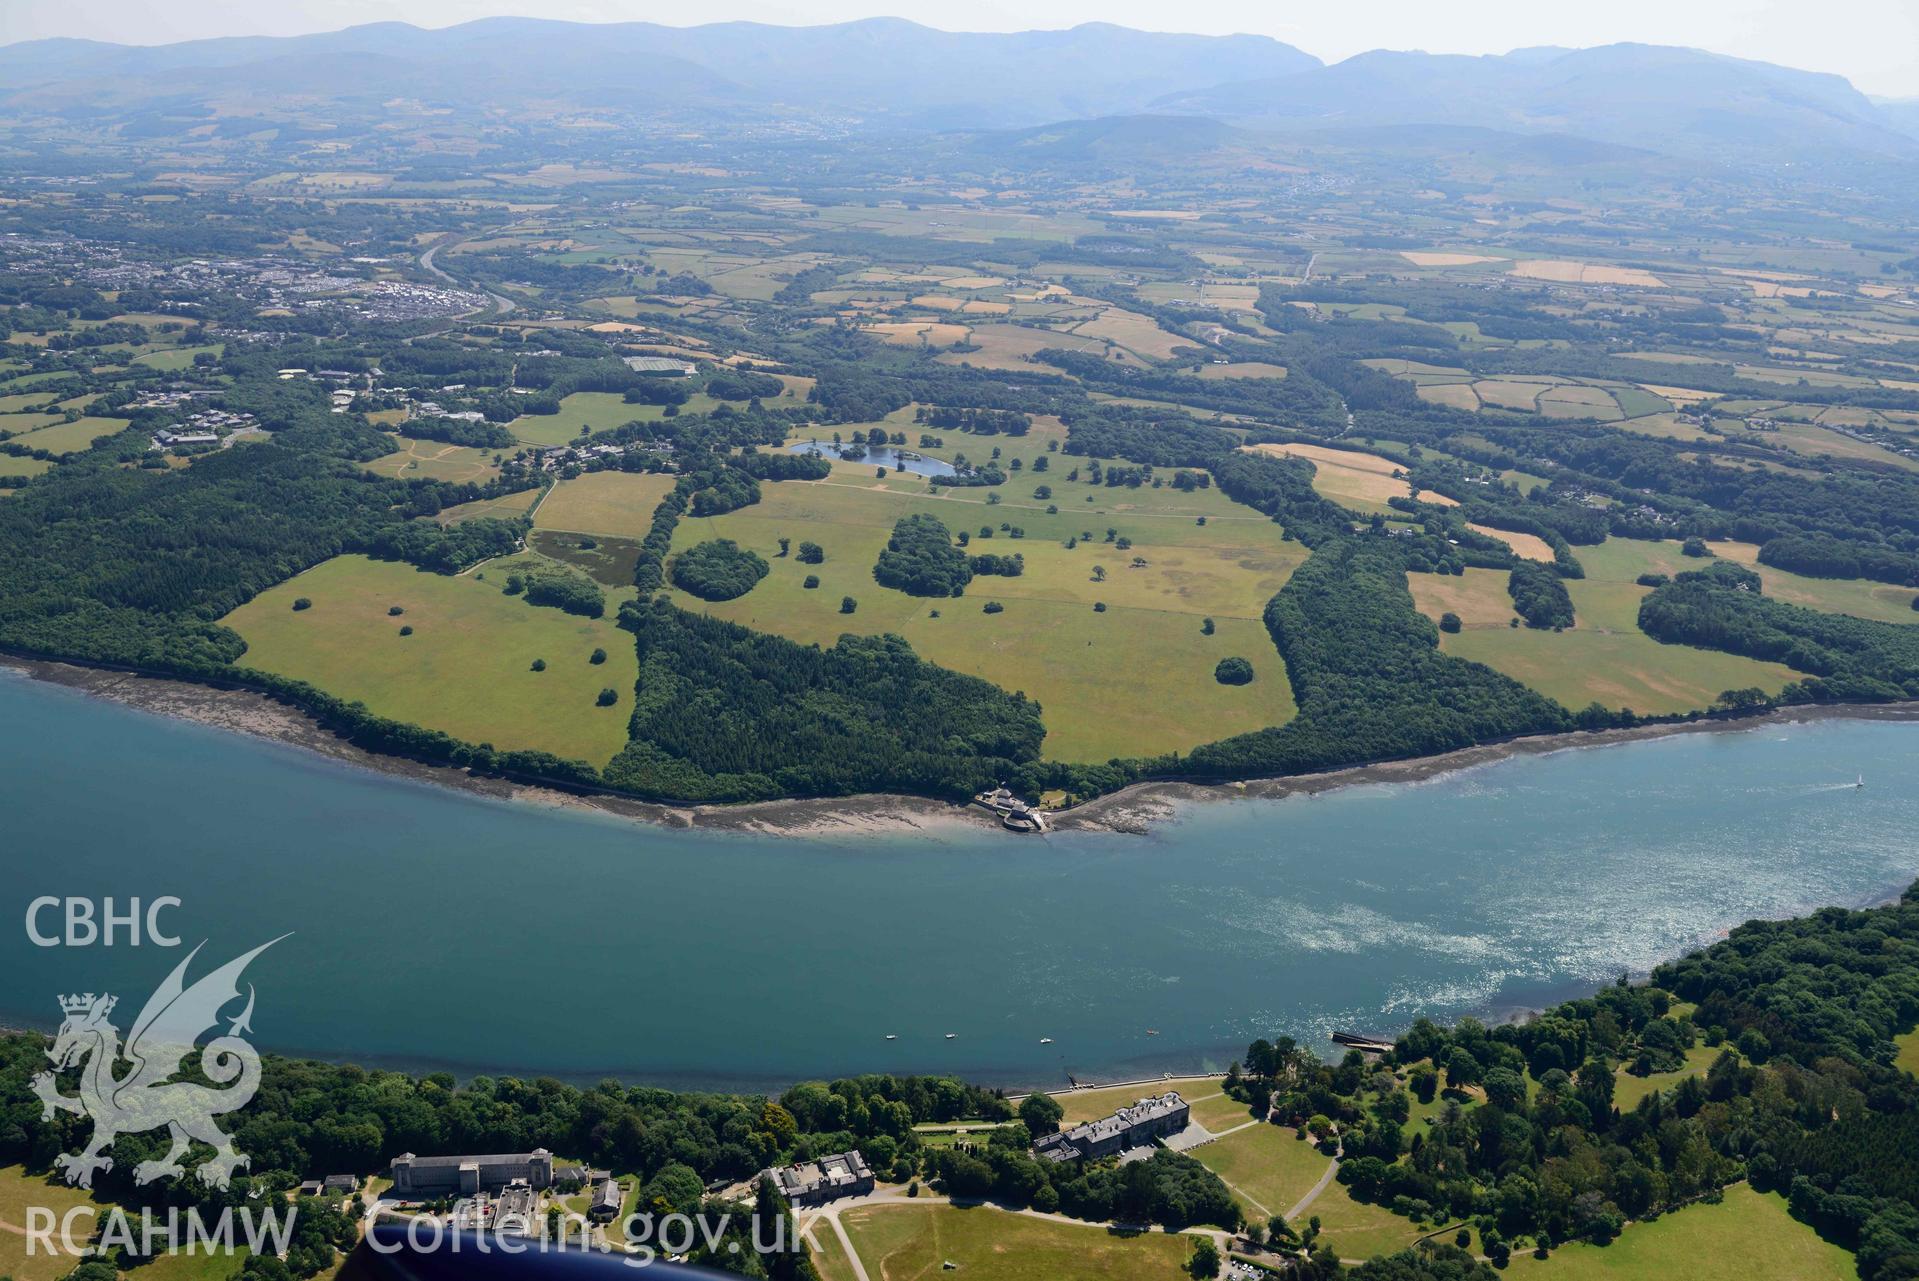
x=1672 y=100
x=890 y=73
x=884 y=68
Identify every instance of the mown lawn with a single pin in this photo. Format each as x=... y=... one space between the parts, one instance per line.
x=1090 y=1105
x=466 y=668
x=1908 y=1052
x=912 y=1243
x=1748 y=1236
x=1266 y=1164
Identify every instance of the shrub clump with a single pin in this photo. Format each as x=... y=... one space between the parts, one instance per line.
x=719 y=569
x=1233 y=671
x=565 y=590
x=921 y=560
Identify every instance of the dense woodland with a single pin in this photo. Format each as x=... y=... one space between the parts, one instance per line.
x=723 y=713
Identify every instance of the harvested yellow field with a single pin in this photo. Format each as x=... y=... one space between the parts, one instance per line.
x=1451 y=395
x=1509 y=395
x=1009 y=346
x=1244 y=369
x=1423 y=258
x=1681 y=395
x=1361 y=481
x=1529 y=546
x=904 y=333
x=1563 y=272
x=1138 y=334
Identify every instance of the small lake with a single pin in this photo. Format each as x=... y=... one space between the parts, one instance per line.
x=437 y=929
x=877 y=456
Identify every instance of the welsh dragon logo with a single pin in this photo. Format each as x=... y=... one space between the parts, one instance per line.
x=145 y=1097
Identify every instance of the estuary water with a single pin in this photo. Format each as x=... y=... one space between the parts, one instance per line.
x=435 y=929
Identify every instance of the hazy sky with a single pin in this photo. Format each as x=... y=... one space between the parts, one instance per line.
x=1873 y=42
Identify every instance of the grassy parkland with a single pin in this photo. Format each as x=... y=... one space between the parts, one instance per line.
x=1135 y=678
x=467 y=666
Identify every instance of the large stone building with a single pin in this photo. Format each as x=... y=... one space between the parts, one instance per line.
x=827 y=1179
x=1130 y=1127
x=428 y=1177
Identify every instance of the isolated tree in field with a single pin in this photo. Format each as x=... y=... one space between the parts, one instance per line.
x=785 y=543
x=597 y=657
x=812 y=581
x=848 y=604
x=1233 y=671
x=301 y=603
x=608 y=697
x=1205 y=1260
x=1206 y=627
x=1099 y=573
x=539 y=665
x=1449 y=622
x=810 y=553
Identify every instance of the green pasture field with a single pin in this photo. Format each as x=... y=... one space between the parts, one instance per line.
x=1134 y=680
x=1603 y=658
x=73 y=437
x=1908 y=1052
x=16 y=424
x=1266 y=1166
x=1090 y=1105
x=465 y=670
x=1629 y=1089
x=1748 y=1236
x=436 y=460
x=619 y=504
x=916 y=1242
x=12 y=468
x=176 y=358
x=1624 y=559
x=597 y=411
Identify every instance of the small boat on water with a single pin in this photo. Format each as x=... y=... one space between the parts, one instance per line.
x=951 y=1035
x=891 y=1037
x=1046 y=1040
x=1861 y=782
x=1152 y=1031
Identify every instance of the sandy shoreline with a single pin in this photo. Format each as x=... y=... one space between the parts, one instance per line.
x=1133 y=809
